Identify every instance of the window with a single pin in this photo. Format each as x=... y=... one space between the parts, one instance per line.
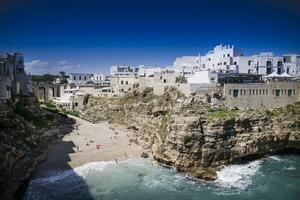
x=76 y=104
x=289 y=93
x=249 y=62
x=229 y=91
x=279 y=63
x=269 y=70
x=122 y=82
x=244 y=92
x=267 y=91
x=249 y=71
x=278 y=70
x=277 y=93
x=85 y=78
x=269 y=63
x=288 y=70
x=263 y=91
x=165 y=80
x=281 y=92
x=79 y=77
x=253 y=92
x=228 y=55
x=256 y=92
x=224 y=55
x=126 y=82
x=241 y=92
x=285 y=92
x=259 y=92
x=235 y=63
x=250 y=92
x=74 y=78
x=235 y=93
x=224 y=63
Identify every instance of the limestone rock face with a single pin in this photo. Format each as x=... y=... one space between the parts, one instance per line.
x=196 y=136
x=25 y=131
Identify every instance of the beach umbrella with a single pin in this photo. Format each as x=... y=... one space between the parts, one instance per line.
x=284 y=74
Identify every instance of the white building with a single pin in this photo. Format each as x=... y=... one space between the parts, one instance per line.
x=98 y=78
x=123 y=70
x=292 y=64
x=79 y=78
x=228 y=59
x=146 y=71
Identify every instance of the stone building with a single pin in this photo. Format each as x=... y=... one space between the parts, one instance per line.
x=123 y=70
x=269 y=94
x=13 y=79
x=79 y=78
x=120 y=85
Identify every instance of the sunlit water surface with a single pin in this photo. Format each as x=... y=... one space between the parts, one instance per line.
x=278 y=177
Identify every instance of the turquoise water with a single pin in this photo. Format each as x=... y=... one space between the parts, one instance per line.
x=278 y=177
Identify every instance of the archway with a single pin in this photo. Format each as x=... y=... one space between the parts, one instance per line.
x=41 y=93
x=51 y=92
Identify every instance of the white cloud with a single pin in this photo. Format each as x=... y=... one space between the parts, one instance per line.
x=42 y=67
x=63 y=62
x=36 y=63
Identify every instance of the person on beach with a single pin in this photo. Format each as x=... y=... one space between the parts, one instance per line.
x=77 y=147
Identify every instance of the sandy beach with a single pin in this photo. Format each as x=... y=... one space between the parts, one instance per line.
x=89 y=142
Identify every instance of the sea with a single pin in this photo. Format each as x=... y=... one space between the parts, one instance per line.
x=274 y=178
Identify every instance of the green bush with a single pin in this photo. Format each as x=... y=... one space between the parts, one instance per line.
x=221 y=113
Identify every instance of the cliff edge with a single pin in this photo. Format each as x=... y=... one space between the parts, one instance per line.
x=26 y=129
x=198 y=134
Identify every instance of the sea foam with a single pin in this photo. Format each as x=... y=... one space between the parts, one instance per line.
x=237 y=176
x=71 y=175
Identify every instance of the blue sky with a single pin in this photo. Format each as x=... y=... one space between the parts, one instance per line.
x=90 y=35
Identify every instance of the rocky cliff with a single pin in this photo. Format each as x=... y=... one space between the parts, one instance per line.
x=25 y=131
x=198 y=136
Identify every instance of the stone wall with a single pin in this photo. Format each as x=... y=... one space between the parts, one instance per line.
x=185 y=88
x=261 y=95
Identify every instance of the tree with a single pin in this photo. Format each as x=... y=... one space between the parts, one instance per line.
x=63 y=77
x=62 y=74
x=180 y=79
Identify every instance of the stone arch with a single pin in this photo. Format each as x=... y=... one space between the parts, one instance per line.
x=51 y=92
x=41 y=93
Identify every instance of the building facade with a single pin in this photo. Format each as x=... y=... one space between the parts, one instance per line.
x=262 y=95
x=121 y=85
x=13 y=79
x=228 y=59
x=98 y=78
x=79 y=78
x=123 y=70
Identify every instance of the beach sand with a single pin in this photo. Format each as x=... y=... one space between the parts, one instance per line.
x=80 y=147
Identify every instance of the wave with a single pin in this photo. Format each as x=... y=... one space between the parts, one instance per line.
x=71 y=174
x=290 y=168
x=276 y=158
x=238 y=176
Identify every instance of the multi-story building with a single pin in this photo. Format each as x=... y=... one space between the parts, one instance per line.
x=121 y=85
x=13 y=79
x=146 y=71
x=228 y=59
x=98 y=78
x=124 y=70
x=292 y=64
x=219 y=59
x=79 y=78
